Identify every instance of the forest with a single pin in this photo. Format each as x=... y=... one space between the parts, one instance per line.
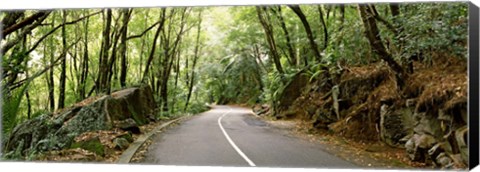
x=343 y=69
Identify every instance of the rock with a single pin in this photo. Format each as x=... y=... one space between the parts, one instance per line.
x=461 y=135
x=93 y=145
x=121 y=143
x=428 y=124
x=405 y=139
x=128 y=125
x=410 y=148
x=55 y=132
x=444 y=161
x=392 y=126
x=126 y=136
x=92 y=117
x=414 y=152
x=260 y=110
x=135 y=103
x=292 y=91
x=439 y=148
x=417 y=147
x=425 y=141
x=29 y=133
x=17 y=153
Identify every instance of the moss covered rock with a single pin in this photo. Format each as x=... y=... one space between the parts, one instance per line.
x=57 y=131
x=93 y=145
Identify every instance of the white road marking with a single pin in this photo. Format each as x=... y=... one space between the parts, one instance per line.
x=250 y=162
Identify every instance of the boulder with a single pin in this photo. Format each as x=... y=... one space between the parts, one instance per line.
x=135 y=103
x=27 y=134
x=93 y=145
x=418 y=145
x=128 y=125
x=393 y=125
x=428 y=124
x=57 y=131
x=92 y=117
x=292 y=91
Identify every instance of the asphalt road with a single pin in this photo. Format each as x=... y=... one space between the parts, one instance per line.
x=230 y=136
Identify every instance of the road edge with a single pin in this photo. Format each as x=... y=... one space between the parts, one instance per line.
x=132 y=149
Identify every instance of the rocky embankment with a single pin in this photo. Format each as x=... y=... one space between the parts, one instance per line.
x=77 y=128
x=427 y=117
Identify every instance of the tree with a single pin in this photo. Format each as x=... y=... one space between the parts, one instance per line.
x=123 y=46
x=291 y=52
x=373 y=36
x=154 y=45
x=85 y=60
x=325 y=30
x=63 y=73
x=195 y=58
x=313 y=45
x=267 y=27
x=101 y=84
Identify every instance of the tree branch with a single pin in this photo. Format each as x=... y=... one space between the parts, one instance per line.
x=27 y=30
x=11 y=17
x=56 y=28
x=144 y=32
x=61 y=56
x=23 y=23
x=382 y=20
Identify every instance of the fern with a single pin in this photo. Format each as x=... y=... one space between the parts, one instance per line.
x=11 y=105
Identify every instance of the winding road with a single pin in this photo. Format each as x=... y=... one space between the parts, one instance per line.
x=231 y=136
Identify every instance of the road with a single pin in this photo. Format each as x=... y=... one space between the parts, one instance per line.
x=231 y=136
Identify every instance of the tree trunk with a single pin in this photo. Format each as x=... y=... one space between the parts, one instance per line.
x=142 y=50
x=290 y=49
x=195 y=58
x=342 y=23
x=308 y=30
x=113 y=58
x=177 y=74
x=84 y=66
x=373 y=35
x=154 y=45
x=382 y=20
x=27 y=95
x=395 y=9
x=270 y=39
x=325 y=31
x=103 y=61
x=170 y=53
x=63 y=77
x=51 y=83
x=123 y=47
